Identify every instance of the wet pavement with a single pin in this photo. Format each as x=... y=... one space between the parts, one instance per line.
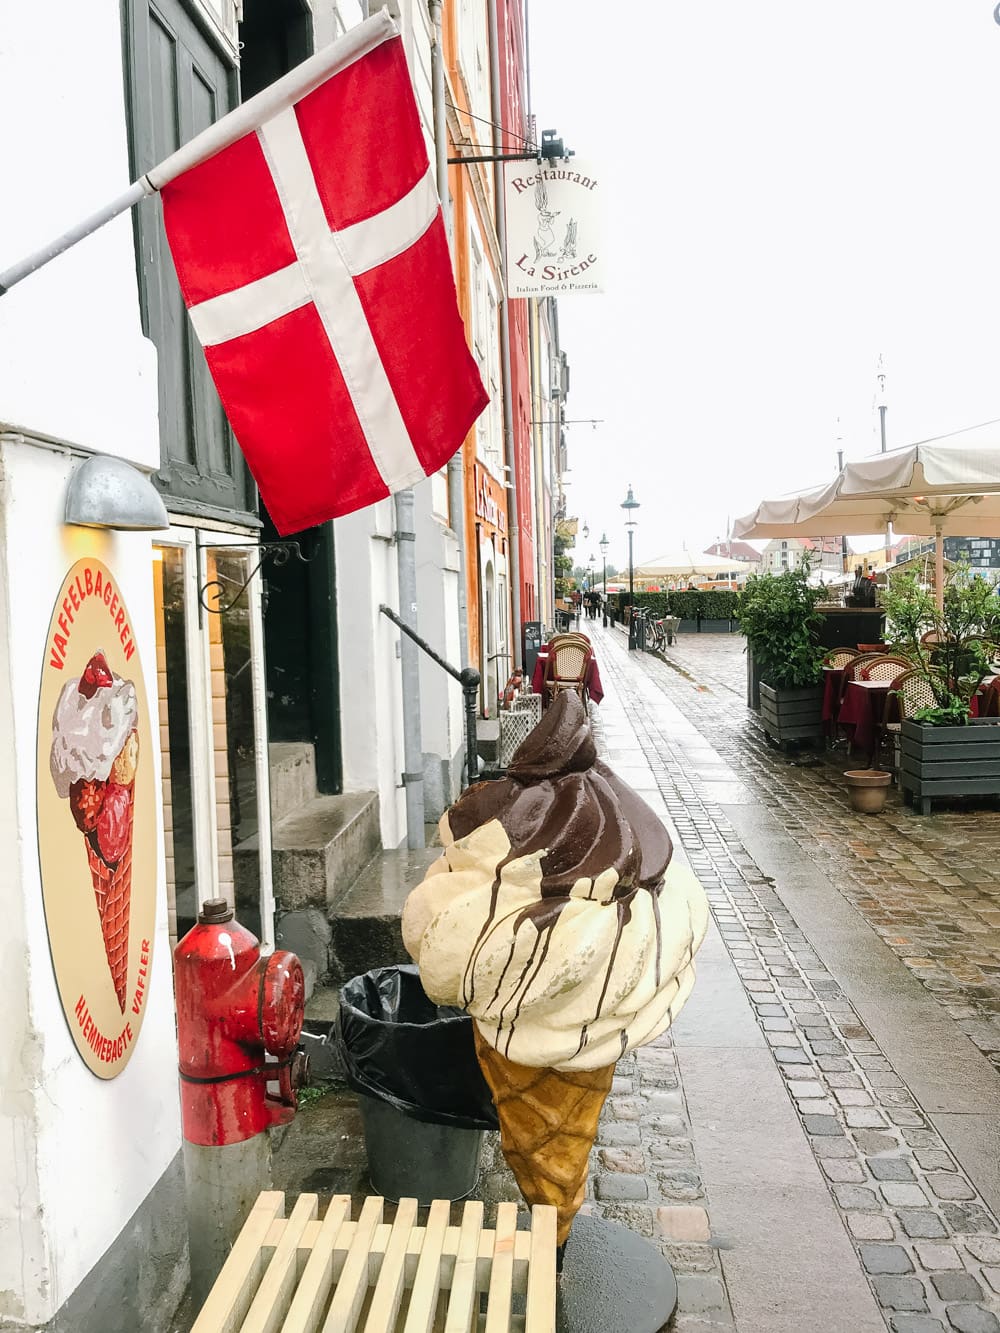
x=816 y=1145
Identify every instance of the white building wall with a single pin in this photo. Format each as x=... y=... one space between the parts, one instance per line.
x=75 y=366
x=99 y=1146
x=371 y=688
x=441 y=699
x=370 y=681
x=78 y=1155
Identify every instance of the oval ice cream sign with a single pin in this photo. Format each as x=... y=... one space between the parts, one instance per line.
x=97 y=816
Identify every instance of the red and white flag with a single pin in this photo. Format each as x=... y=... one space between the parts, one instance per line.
x=307 y=235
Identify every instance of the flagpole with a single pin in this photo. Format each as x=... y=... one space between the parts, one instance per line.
x=243 y=119
x=136 y=192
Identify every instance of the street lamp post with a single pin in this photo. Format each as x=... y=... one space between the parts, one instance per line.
x=590 y=579
x=603 y=544
x=630 y=504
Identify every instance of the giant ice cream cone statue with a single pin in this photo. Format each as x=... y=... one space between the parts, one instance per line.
x=95 y=753
x=555 y=918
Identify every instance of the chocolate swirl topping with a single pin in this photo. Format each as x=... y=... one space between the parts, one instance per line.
x=557 y=795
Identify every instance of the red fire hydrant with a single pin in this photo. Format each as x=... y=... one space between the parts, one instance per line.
x=233 y=1006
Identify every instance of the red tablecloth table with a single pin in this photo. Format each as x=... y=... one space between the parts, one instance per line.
x=861 y=712
x=594 y=687
x=833 y=684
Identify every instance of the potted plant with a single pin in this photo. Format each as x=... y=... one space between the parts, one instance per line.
x=777 y=614
x=944 y=750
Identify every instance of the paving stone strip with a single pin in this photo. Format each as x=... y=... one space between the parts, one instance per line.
x=925 y=1238
x=644 y=1175
x=929 y=886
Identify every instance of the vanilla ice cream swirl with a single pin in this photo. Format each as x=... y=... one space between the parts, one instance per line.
x=554 y=915
x=87 y=734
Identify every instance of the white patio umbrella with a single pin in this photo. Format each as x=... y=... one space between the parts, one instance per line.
x=682 y=564
x=949 y=485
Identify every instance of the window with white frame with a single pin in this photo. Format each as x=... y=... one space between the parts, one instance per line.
x=494 y=411
x=480 y=343
x=474 y=61
x=224 y=16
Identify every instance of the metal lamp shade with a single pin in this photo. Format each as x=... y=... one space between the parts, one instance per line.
x=106 y=492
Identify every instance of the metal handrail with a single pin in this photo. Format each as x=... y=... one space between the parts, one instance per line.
x=468 y=678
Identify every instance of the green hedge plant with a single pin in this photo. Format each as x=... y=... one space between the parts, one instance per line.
x=777 y=613
x=967 y=631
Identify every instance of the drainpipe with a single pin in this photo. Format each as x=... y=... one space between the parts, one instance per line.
x=456 y=487
x=413 y=754
x=508 y=409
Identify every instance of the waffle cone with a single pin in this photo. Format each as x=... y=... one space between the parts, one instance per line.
x=113 y=892
x=548 y=1122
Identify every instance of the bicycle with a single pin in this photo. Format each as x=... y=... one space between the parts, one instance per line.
x=641 y=617
x=659 y=635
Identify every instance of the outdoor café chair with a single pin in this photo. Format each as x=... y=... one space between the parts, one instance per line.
x=852 y=671
x=837 y=658
x=566 y=666
x=910 y=691
x=885 y=667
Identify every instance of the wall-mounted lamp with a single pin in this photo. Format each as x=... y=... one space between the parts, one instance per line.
x=107 y=492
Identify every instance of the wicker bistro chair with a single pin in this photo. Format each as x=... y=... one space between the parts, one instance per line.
x=837 y=658
x=566 y=666
x=885 y=667
x=853 y=669
x=910 y=690
x=568 y=636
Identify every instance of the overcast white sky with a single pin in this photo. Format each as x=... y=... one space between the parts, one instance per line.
x=793 y=188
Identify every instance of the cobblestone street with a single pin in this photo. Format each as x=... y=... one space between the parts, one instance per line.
x=816 y=1144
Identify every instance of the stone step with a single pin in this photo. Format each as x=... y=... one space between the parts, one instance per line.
x=292 y=766
x=318 y=1039
x=318 y=850
x=365 y=924
x=488 y=739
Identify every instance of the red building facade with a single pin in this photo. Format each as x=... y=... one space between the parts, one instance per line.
x=514 y=118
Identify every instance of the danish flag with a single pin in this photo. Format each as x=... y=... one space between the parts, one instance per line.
x=307 y=236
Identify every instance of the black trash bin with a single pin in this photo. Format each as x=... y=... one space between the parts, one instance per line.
x=423 y=1099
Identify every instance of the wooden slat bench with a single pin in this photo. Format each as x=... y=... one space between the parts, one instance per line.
x=303 y=1275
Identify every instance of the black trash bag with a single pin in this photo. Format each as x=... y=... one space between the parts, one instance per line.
x=399 y=1047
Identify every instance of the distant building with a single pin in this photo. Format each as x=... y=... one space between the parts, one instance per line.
x=738 y=551
x=788 y=552
x=976 y=552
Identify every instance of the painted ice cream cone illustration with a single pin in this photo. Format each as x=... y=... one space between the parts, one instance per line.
x=556 y=919
x=95 y=753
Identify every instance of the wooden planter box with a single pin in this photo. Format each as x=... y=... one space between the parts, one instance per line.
x=753 y=681
x=949 y=761
x=792 y=715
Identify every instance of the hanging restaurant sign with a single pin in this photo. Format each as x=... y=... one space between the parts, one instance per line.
x=491 y=501
x=96 y=799
x=554 y=240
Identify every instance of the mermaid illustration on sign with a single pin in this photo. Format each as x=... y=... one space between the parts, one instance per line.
x=545 y=236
